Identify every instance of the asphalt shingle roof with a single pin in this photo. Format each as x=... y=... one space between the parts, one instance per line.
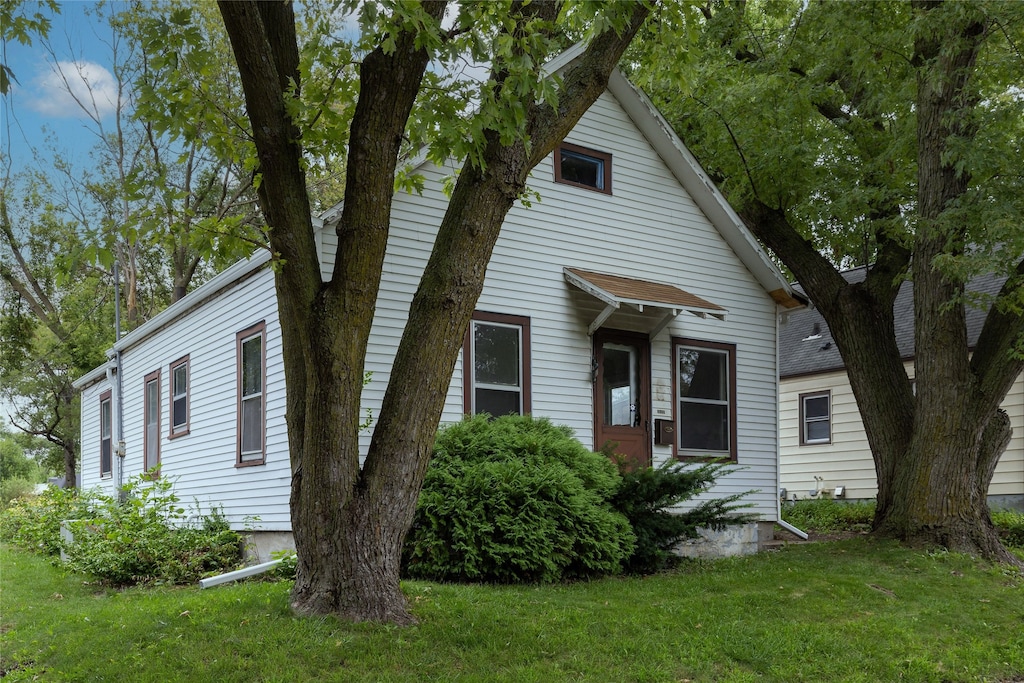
x=806 y=346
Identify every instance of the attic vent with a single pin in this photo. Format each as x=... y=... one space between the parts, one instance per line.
x=815 y=333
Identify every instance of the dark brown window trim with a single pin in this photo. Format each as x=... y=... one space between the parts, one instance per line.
x=719 y=346
x=182 y=431
x=803 y=426
x=106 y=397
x=152 y=472
x=602 y=156
x=467 y=355
x=261 y=329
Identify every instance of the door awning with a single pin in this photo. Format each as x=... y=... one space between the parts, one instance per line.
x=615 y=290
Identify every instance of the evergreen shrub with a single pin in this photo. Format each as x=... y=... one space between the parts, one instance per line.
x=648 y=497
x=516 y=499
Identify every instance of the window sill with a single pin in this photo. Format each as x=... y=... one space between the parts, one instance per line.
x=251 y=463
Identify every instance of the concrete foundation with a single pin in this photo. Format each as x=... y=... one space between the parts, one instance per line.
x=733 y=541
x=1014 y=501
x=260 y=544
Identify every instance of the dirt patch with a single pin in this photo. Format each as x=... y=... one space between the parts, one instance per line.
x=813 y=536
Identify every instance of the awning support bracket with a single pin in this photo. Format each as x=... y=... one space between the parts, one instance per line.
x=604 y=315
x=665 y=320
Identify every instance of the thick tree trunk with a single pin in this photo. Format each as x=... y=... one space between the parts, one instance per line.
x=940 y=484
x=349 y=523
x=935 y=453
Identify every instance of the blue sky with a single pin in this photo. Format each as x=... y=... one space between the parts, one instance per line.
x=37 y=102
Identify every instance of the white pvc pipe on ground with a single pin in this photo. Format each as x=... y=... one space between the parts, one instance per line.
x=792 y=529
x=240 y=574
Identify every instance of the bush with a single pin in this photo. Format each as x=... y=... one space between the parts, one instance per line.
x=141 y=540
x=516 y=499
x=826 y=515
x=145 y=539
x=646 y=497
x=34 y=522
x=17 y=487
x=1011 y=527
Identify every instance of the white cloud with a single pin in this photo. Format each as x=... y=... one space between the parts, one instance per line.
x=68 y=87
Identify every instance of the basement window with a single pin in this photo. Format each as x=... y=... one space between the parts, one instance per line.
x=583 y=167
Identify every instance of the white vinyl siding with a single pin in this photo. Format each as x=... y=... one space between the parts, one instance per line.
x=203 y=465
x=649 y=228
x=847 y=461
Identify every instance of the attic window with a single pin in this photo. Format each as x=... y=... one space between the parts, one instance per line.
x=583 y=167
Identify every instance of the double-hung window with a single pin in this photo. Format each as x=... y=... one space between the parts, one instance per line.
x=251 y=350
x=179 y=397
x=496 y=373
x=151 y=413
x=705 y=398
x=106 y=442
x=816 y=418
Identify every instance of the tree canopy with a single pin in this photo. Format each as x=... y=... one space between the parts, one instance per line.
x=896 y=147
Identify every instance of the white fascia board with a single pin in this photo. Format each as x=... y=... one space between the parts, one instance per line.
x=93 y=376
x=193 y=299
x=698 y=184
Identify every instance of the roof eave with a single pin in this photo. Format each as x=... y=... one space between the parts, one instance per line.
x=702 y=189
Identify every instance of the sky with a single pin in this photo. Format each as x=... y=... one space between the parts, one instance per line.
x=38 y=105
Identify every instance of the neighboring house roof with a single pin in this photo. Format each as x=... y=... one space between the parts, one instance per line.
x=806 y=346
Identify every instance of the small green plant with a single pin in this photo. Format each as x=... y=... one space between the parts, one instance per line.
x=288 y=565
x=826 y=515
x=1011 y=527
x=647 y=497
x=516 y=499
x=145 y=538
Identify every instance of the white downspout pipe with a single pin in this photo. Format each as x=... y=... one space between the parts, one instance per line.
x=238 y=574
x=778 y=443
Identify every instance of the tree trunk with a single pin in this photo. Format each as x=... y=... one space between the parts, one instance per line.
x=349 y=523
x=70 y=470
x=935 y=453
x=940 y=485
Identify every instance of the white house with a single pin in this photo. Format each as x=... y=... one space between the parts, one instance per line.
x=628 y=302
x=823 y=443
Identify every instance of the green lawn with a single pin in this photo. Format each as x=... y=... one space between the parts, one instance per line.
x=853 y=610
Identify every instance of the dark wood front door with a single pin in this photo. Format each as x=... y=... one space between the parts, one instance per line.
x=622 y=394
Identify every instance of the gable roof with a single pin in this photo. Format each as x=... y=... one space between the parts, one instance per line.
x=223 y=280
x=686 y=170
x=806 y=346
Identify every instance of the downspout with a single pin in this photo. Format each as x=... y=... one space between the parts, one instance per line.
x=778 y=441
x=117 y=384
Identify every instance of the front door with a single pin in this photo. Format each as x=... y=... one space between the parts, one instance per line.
x=622 y=396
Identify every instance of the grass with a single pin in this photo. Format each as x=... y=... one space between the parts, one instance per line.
x=854 y=610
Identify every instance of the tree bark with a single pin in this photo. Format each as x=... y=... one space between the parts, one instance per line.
x=940 y=486
x=935 y=453
x=349 y=523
